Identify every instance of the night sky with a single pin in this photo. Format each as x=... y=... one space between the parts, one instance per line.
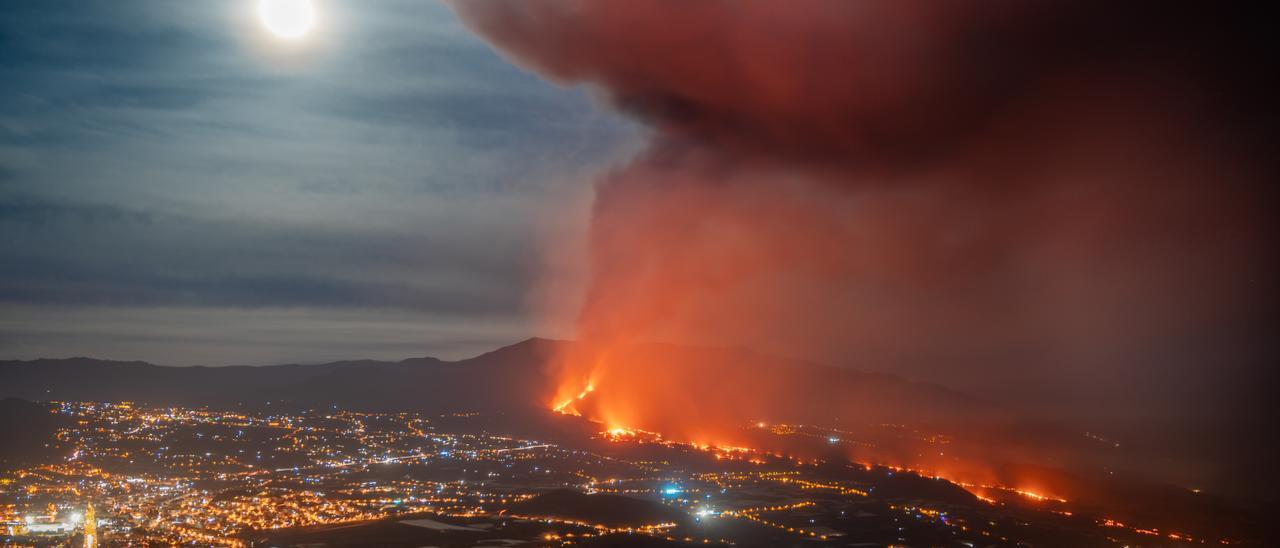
x=1057 y=204
x=177 y=186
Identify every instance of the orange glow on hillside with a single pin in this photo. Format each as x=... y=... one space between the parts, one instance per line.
x=718 y=402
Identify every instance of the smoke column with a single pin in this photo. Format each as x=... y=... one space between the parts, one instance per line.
x=1051 y=203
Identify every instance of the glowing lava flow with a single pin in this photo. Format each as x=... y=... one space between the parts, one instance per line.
x=618 y=433
x=978 y=490
x=566 y=407
x=988 y=493
x=615 y=430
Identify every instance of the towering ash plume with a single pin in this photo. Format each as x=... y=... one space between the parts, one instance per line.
x=1059 y=199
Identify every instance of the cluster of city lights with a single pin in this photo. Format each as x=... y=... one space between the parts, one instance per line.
x=184 y=476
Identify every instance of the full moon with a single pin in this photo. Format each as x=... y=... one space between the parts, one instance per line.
x=288 y=19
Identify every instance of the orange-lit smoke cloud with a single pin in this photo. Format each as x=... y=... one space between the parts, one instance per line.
x=1037 y=196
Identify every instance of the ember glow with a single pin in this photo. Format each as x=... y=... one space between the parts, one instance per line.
x=566 y=405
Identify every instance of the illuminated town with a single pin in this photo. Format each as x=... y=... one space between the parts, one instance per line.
x=135 y=475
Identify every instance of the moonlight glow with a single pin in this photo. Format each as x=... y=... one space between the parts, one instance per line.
x=288 y=19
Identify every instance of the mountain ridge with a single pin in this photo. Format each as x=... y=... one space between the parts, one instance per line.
x=509 y=378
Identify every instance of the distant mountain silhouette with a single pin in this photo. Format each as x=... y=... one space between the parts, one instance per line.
x=508 y=380
x=493 y=381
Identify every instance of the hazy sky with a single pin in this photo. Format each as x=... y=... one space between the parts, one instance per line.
x=178 y=186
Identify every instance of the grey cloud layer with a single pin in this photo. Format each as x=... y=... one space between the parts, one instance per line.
x=149 y=157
